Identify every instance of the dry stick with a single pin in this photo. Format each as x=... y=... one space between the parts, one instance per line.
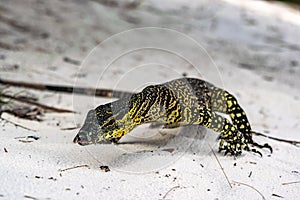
x=70 y=128
x=78 y=166
x=69 y=89
x=60 y=110
x=220 y=166
x=170 y=191
x=29 y=197
x=17 y=125
x=278 y=139
x=252 y=188
x=288 y=183
x=276 y=195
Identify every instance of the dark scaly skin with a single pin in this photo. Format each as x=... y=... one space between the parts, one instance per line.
x=179 y=102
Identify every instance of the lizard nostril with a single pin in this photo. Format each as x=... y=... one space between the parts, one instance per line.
x=79 y=139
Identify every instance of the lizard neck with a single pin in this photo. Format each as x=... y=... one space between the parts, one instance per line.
x=115 y=118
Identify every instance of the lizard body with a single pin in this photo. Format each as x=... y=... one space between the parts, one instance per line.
x=178 y=102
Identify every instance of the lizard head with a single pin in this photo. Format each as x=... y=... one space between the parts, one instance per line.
x=88 y=132
x=93 y=130
x=103 y=125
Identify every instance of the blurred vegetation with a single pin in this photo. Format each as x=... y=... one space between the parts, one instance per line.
x=291 y=1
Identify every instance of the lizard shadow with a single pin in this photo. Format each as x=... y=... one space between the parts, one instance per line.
x=140 y=154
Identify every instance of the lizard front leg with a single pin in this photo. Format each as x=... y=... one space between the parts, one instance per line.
x=223 y=101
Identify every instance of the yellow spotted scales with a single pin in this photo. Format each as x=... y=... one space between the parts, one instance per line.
x=175 y=103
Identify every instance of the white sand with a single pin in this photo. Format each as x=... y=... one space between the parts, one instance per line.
x=255 y=46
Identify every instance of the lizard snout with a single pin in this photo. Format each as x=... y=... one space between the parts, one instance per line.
x=81 y=139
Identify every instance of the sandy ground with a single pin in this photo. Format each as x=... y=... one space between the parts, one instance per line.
x=251 y=49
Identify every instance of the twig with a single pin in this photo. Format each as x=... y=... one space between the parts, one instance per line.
x=26 y=112
x=220 y=166
x=25 y=141
x=17 y=125
x=69 y=89
x=72 y=61
x=29 y=197
x=276 y=195
x=70 y=128
x=170 y=191
x=28 y=137
x=288 y=183
x=78 y=166
x=59 y=110
x=262 y=196
x=278 y=139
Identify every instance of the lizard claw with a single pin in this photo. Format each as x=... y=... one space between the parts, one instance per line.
x=254 y=151
x=266 y=145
